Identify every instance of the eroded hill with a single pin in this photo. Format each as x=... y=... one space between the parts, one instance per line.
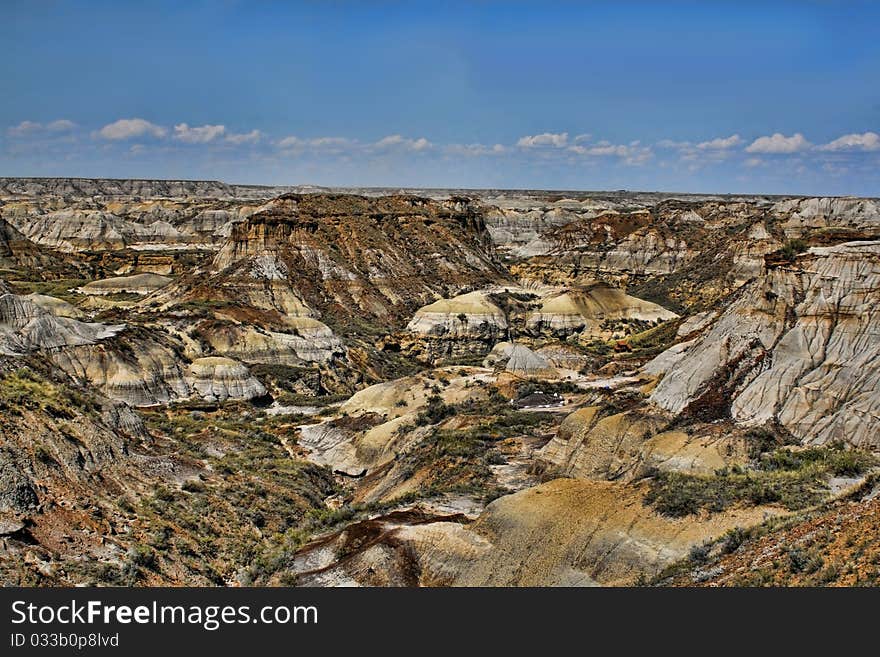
x=205 y=383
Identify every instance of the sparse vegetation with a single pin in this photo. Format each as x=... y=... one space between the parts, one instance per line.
x=784 y=477
x=792 y=248
x=61 y=288
x=249 y=515
x=24 y=388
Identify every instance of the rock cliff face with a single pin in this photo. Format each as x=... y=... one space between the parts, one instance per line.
x=466 y=315
x=26 y=326
x=18 y=252
x=115 y=225
x=682 y=254
x=797 y=347
x=472 y=324
x=219 y=379
x=589 y=446
x=830 y=217
x=521 y=229
x=136 y=369
x=454 y=328
x=89 y=187
x=345 y=255
x=312 y=342
x=143 y=371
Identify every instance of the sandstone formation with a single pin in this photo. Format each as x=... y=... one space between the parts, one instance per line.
x=136 y=284
x=18 y=252
x=342 y=256
x=219 y=379
x=137 y=369
x=26 y=326
x=467 y=315
x=87 y=187
x=563 y=533
x=795 y=347
x=589 y=446
x=829 y=216
x=584 y=311
x=520 y=361
x=58 y=307
x=627 y=446
x=309 y=342
x=388 y=412
x=570 y=532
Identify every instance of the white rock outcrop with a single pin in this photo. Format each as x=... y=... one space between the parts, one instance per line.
x=519 y=360
x=586 y=309
x=26 y=326
x=140 y=372
x=216 y=378
x=135 y=284
x=466 y=315
x=56 y=306
x=804 y=215
x=799 y=345
x=312 y=342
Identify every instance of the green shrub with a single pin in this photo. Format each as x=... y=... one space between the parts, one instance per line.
x=792 y=248
x=836 y=460
x=794 y=479
x=732 y=540
x=434 y=412
x=676 y=494
x=700 y=553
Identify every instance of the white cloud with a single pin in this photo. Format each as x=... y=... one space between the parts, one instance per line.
x=332 y=144
x=291 y=142
x=602 y=148
x=130 y=128
x=251 y=137
x=31 y=127
x=399 y=141
x=778 y=143
x=753 y=162
x=61 y=125
x=702 y=153
x=720 y=144
x=633 y=153
x=671 y=143
x=392 y=140
x=198 y=134
x=337 y=145
x=867 y=141
x=555 y=139
x=476 y=149
x=24 y=128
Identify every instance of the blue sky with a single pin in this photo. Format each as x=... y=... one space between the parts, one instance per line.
x=773 y=97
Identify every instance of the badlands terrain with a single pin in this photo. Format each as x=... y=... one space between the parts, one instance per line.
x=214 y=384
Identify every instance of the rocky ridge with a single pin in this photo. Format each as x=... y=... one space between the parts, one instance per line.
x=627 y=376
